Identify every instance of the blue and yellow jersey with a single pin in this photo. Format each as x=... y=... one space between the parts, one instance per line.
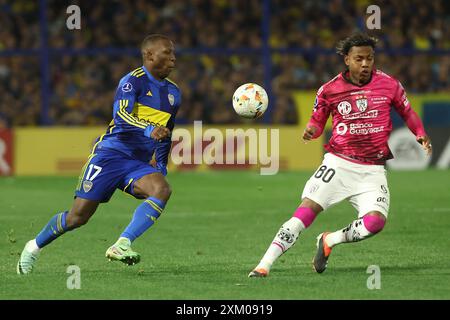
x=141 y=101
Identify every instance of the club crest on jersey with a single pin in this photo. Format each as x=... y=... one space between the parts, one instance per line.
x=344 y=107
x=127 y=87
x=361 y=104
x=87 y=185
x=171 y=99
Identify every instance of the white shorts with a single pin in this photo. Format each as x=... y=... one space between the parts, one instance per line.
x=365 y=186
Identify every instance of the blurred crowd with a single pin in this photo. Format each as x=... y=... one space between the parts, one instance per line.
x=82 y=85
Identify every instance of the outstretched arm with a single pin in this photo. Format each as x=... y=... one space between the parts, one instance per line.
x=414 y=124
x=310 y=133
x=319 y=118
x=412 y=120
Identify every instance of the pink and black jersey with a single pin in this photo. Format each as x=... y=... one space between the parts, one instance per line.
x=361 y=116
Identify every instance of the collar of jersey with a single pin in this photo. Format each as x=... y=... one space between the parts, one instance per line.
x=153 y=79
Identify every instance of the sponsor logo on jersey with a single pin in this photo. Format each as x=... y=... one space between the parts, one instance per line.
x=364 y=128
x=362 y=115
x=171 y=99
x=361 y=104
x=87 y=185
x=357 y=128
x=344 y=107
x=341 y=128
x=378 y=101
x=127 y=87
x=379 y=98
x=360 y=92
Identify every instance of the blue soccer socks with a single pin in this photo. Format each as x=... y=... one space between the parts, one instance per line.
x=54 y=228
x=144 y=217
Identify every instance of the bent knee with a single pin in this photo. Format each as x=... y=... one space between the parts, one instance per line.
x=374 y=223
x=308 y=203
x=163 y=192
x=75 y=221
x=160 y=191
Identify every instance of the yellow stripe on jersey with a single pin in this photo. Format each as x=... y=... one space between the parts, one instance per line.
x=95 y=145
x=139 y=74
x=172 y=82
x=154 y=116
x=127 y=117
x=83 y=170
x=135 y=71
x=129 y=183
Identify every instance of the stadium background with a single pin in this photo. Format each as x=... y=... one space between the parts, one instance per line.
x=57 y=84
x=57 y=87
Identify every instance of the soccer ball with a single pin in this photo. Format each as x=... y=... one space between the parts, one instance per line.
x=250 y=101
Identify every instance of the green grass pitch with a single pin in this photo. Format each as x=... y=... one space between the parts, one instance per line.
x=213 y=232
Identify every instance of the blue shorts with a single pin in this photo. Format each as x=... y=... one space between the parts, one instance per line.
x=108 y=170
